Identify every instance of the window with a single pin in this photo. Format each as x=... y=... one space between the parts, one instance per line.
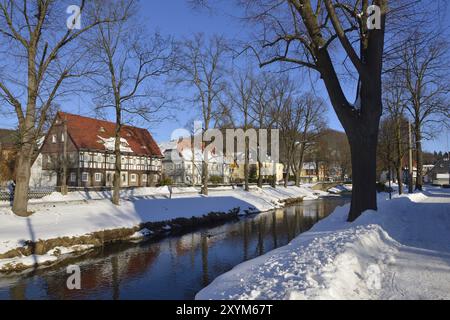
x=62 y=137
x=144 y=178
x=133 y=177
x=73 y=177
x=85 y=177
x=54 y=138
x=98 y=177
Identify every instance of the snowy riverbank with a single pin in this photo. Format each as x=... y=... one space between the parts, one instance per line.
x=78 y=215
x=400 y=252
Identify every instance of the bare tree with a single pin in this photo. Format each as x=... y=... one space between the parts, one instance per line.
x=202 y=68
x=40 y=56
x=241 y=98
x=128 y=60
x=312 y=121
x=260 y=112
x=281 y=114
x=424 y=66
x=397 y=131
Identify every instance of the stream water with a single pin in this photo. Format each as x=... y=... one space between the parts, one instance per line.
x=175 y=267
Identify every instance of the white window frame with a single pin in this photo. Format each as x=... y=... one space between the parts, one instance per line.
x=54 y=138
x=98 y=177
x=133 y=177
x=144 y=177
x=85 y=177
x=62 y=137
x=73 y=177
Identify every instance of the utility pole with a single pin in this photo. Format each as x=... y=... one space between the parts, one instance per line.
x=411 y=172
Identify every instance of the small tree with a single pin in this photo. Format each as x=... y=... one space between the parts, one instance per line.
x=202 y=68
x=395 y=130
x=424 y=65
x=241 y=97
x=260 y=112
x=312 y=121
x=127 y=60
x=41 y=56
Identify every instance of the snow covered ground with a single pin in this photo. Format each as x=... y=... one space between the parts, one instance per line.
x=340 y=188
x=400 y=252
x=77 y=214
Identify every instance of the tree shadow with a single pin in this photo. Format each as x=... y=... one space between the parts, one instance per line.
x=32 y=245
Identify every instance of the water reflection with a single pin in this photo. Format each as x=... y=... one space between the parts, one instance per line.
x=174 y=268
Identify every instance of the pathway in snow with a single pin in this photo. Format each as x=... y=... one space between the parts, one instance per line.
x=400 y=252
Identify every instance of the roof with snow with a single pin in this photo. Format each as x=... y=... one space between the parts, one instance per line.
x=94 y=134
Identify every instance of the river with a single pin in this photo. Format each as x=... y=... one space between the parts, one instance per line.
x=173 y=268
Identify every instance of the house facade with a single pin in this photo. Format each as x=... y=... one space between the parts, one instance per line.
x=184 y=166
x=269 y=169
x=85 y=146
x=440 y=173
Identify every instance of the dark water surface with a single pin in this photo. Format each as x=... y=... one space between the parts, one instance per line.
x=172 y=268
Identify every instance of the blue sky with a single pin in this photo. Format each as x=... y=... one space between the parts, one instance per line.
x=175 y=17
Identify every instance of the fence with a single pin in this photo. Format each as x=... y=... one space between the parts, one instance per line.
x=5 y=195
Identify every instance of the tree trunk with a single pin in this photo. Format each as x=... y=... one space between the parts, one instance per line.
x=118 y=163
x=64 y=187
x=246 y=167
x=205 y=177
x=28 y=141
x=317 y=164
x=286 y=177
x=419 y=157
x=298 y=173
x=194 y=175
x=399 y=155
x=400 y=178
x=260 y=175
x=23 y=174
x=297 y=177
x=363 y=148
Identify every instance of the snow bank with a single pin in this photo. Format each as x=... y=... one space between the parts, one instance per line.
x=340 y=188
x=400 y=252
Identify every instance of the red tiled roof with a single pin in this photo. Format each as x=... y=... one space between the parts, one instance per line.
x=86 y=132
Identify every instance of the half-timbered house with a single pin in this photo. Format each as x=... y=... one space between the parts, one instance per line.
x=84 y=147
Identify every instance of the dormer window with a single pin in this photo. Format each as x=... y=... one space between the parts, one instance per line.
x=102 y=130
